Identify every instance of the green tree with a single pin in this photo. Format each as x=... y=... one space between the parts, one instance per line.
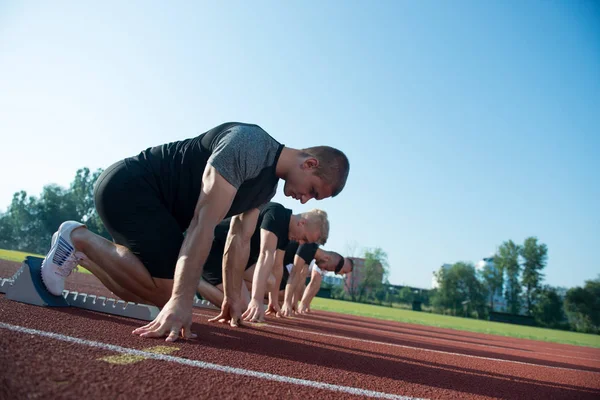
x=534 y=261
x=82 y=189
x=406 y=295
x=548 y=310
x=29 y=222
x=459 y=290
x=351 y=279
x=337 y=292
x=382 y=294
x=582 y=306
x=54 y=206
x=374 y=273
x=6 y=232
x=20 y=223
x=507 y=259
x=493 y=279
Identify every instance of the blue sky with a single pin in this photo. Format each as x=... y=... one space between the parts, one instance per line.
x=467 y=123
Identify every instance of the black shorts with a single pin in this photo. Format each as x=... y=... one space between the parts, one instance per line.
x=213 y=268
x=130 y=206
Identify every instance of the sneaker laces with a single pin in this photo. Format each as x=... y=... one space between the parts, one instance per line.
x=69 y=265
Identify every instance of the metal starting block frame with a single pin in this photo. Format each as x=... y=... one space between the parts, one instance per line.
x=26 y=286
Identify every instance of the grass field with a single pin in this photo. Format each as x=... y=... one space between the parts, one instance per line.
x=19 y=256
x=414 y=317
x=465 y=324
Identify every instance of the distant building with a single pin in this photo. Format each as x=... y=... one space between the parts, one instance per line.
x=332 y=279
x=496 y=298
x=355 y=278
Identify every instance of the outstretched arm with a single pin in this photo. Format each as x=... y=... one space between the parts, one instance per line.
x=216 y=197
x=294 y=281
x=264 y=266
x=273 y=307
x=311 y=290
x=235 y=258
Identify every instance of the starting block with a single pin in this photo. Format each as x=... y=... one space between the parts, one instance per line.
x=5 y=284
x=200 y=303
x=26 y=286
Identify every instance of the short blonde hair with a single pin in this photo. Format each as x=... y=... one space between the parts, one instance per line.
x=319 y=218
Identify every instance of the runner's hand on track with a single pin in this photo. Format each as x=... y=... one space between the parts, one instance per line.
x=231 y=311
x=273 y=309
x=287 y=310
x=255 y=312
x=174 y=319
x=302 y=309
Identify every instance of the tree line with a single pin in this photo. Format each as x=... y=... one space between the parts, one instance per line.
x=29 y=221
x=514 y=275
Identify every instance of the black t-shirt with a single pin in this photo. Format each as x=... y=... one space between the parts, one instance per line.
x=305 y=251
x=244 y=154
x=273 y=217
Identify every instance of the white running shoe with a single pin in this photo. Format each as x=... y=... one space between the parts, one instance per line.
x=61 y=259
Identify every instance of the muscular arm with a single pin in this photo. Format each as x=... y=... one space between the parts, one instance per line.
x=278 y=274
x=264 y=265
x=268 y=246
x=301 y=286
x=237 y=251
x=213 y=204
x=312 y=289
x=294 y=281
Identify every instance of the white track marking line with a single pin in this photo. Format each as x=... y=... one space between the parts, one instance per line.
x=206 y=365
x=409 y=347
x=481 y=344
x=500 y=347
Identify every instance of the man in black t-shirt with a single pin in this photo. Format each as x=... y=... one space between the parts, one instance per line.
x=276 y=226
x=149 y=201
x=307 y=292
x=292 y=274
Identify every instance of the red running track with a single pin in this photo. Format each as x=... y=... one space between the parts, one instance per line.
x=344 y=351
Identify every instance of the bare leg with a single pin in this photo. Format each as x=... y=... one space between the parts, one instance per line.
x=123 y=267
x=249 y=274
x=214 y=294
x=109 y=282
x=245 y=296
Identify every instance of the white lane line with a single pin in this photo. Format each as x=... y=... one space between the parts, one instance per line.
x=453 y=341
x=266 y=325
x=206 y=365
x=489 y=345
